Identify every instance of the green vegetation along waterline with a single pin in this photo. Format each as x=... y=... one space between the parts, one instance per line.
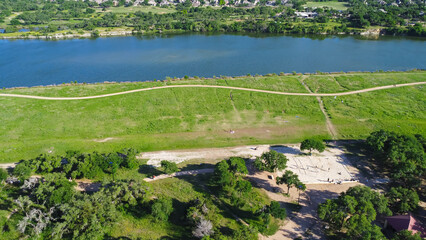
x=77 y=18
x=179 y=118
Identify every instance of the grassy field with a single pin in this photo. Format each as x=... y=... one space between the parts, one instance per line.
x=330 y=4
x=193 y=117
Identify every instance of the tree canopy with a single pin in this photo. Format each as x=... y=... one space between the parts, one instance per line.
x=312 y=144
x=271 y=161
x=403 y=154
x=353 y=212
x=291 y=180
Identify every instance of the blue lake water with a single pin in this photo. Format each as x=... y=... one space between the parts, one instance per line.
x=40 y=62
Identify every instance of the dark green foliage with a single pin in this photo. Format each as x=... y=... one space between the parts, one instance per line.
x=169 y=167
x=271 y=161
x=402 y=200
x=162 y=208
x=82 y=165
x=291 y=180
x=222 y=175
x=237 y=165
x=403 y=154
x=406 y=235
x=3 y=175
x=276 y=210
x=55 y=189
x=22 y=171
x=243 y=186
x=312 y=144
x=245 y=233
x=354 y=210
x=227 y=173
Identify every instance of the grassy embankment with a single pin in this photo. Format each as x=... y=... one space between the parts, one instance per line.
x=196 y=117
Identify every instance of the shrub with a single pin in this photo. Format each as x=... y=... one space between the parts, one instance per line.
x=169 y=167
x=22 y=171
x=276 y=210
x=3 y=174
x=162 y=208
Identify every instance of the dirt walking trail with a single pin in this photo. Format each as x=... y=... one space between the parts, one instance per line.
x=330 y=127
x=214 y=86
x=182 y=173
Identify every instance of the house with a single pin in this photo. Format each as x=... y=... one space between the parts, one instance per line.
x=405 y=222
x=306 y=14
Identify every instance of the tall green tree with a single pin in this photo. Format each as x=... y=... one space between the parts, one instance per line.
x=402 y=200
x=353 y=212
x=271 y=161
x=290 y=179
x=312 y=144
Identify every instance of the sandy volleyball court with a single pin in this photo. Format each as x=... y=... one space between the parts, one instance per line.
x=328 y=166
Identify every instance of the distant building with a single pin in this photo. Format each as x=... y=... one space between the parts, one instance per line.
x=405 y=222
x=306 y=14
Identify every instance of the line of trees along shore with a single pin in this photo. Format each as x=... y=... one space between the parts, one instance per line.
x=407 y=18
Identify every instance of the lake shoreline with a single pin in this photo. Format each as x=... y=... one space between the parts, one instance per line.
x=211 y=78
x=367 y=33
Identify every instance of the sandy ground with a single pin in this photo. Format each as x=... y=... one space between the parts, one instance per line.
x=324 y=167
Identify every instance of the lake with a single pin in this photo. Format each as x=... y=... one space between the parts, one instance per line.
x=41 y=62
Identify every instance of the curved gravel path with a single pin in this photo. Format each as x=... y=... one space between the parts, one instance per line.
x=214 y=86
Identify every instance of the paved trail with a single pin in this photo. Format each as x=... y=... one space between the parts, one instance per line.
x=214 y=86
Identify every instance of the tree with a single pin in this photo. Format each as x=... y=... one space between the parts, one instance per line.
x=407 y=235
x=203 y=228
x=222 y=176
x=312 y=144
x=402 y=200
x=22 y=171
x=3 y=175
x=169 y=167
x=276 y=210
x=237 y=165
x=243 y=186
x=354 y=211
x=403 y=154
x=290 y=179
x=271 y=161
x=162 y=208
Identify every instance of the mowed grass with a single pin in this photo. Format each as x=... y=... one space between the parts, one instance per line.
x=181 y=118
x=400 y=110
x=330 y=4
x=154 y=120
x=274 y=83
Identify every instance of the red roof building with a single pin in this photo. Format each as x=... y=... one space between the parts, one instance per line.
x=405 y=222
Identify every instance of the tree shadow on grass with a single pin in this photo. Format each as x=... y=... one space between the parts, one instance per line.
x=149 y=170
x=197 y=166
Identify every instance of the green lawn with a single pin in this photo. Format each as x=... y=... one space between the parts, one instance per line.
x=194 y=117
x=331 y=4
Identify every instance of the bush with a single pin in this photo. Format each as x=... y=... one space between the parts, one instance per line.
x=169 y=167
x=276 y=210
x=22 y=171
x=162 y=208
x=3 y=174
